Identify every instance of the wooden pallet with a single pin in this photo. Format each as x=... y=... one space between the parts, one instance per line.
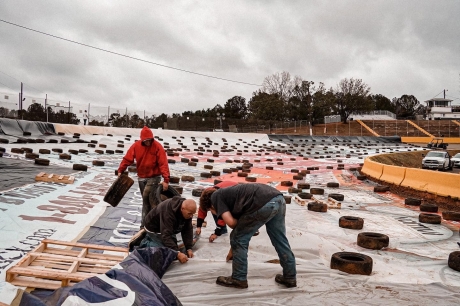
x=54 y=178
x=300 y=201
x=330 y=202
x=50 y=266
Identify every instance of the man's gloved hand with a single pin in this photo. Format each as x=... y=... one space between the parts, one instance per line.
x=165 y=186
x=182 y=257
x=198 y=230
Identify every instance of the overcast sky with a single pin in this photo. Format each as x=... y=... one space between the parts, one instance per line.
x=396 y=47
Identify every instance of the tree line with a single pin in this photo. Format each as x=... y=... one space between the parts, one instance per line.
x=282 y=98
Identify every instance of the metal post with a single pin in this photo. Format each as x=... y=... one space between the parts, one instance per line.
x=46 y=107
x=449 y=128
x=108 y=114
x=68 y=114
x=89 y=108
x=20 y=101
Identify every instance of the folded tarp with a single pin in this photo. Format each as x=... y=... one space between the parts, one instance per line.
x=136 y=281
x=10 y=127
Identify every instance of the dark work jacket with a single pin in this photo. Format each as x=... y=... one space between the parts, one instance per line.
x=166 y=218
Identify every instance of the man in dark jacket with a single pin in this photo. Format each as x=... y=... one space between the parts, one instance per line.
x=167 y=219
x=151 y=164
x=245 y=208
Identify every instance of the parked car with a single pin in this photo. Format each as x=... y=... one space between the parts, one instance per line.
x=456 y=160
x=437 y=160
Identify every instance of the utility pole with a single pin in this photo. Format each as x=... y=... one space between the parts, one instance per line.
x=46 y=107
x=89 y=107
x=68 y=113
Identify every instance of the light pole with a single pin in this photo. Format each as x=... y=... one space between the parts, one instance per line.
x=220 y=118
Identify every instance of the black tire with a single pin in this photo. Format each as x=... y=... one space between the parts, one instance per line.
x=64 y=141
x=99 y=151
x=101 y=145
x=171 y=161
x=297 y=177
x=209 y=167
x=294 y=190
x=361 y=177
x=179 y=189
x=26 y=134
x=427 y=207
x=226 y=170
x=351 y=222
x=454 y=261
x=119 y=151
x=109 y=151
x=318 y=207
x=287 y=199
x=305 y=195
x=98 y=163
x=187 y=178
x=373 y=241
x=242 y=174
x=28 y=150
x=197 y=192
x=3 y=140
x=57 y=150
x=251 y=179
x=91 y=145
x=184 y=160
x=303 y=185
x=269 y=168
x=215 y=173
x=42 y=161
x=31 y=155
x=74 y=152
x=336 y=196
x=287 y=183
x=174 y=179
x=82 y=151
x=192 y=164
x=205 y=174
x=318 y=191
x=429 y=218
x=158 y=195
x=65 y=156
x=451 y=215
x=381 y=188
x=332 y=185
x=80 y=167
x=412 y=202
x=352 y=263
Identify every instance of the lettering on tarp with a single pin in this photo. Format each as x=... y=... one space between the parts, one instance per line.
x=78 y=204
x=33 y=191
x=126 y=224
x=419 y=227
x=13 y=253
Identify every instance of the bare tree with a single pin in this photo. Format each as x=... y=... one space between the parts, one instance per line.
x=352 y=95
x=281 y=84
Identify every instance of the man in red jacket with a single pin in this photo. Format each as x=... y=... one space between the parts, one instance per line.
x=151 y=163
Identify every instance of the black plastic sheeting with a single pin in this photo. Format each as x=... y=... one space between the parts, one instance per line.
x=141 y=272
x=17 y=128
x=18 y=172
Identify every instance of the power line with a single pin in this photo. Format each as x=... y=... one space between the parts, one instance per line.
x=130 y=57
x=20 y=82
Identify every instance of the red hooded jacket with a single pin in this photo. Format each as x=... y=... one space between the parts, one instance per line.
x=150 y=161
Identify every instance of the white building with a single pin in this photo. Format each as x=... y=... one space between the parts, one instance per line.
x=439 y=108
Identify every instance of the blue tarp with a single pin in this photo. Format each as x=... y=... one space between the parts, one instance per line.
x=136 y=282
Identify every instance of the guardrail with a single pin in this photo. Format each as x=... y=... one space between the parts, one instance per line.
x=435 y=182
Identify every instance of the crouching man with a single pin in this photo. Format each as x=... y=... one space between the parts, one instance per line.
x=245 y=208
x=167 y=219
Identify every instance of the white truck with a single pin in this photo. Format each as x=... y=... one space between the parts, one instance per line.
x=439 y=160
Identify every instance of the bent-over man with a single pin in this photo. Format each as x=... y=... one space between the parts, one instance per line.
x=245 y=208
x=167 y=219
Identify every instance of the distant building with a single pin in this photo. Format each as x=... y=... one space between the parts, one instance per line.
x=439 y=108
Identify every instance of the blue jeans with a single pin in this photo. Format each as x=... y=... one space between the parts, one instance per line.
x=273 y=216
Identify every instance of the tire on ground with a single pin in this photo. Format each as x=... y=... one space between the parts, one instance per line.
x=187 y=178
x=303 y=185
x=80 y=167
x=332 y=185
x=352 y=263
x=454 y=261
x=351 y=222
x=336 y=196
x=373 y=241
x=381 y=188
x=287 y=199
x=65 y=156
x=197 y=192
x=305 y=195
x=242 y=174
x=98 y=163
x=286 y=183
x=318 y=207
x=429 y=218
x=42 y=161
x=412 y=202
x=205 y=174
x=361 y=177
x=451 y=215
x=427 y=207
x=318 y=191
x=174 y=179
x=251 y=179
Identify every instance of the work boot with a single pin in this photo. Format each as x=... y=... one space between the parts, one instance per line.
x=287 y=282
x=230 y=282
